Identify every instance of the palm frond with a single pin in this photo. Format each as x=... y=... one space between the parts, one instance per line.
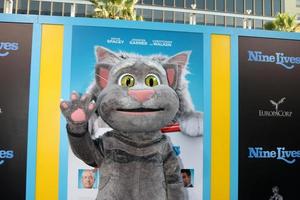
x=115 y=9
x=283 y=22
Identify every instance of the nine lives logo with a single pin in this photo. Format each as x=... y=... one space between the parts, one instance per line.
x=5 y=154
x=288 y=62
x=280 y=153
x=276 y=112
x=7 y=47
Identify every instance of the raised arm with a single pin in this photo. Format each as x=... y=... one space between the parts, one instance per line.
x=77 y=112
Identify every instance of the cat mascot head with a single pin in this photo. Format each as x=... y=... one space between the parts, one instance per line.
x=136 y=93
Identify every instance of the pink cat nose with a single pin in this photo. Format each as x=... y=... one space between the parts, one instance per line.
x=141 y=95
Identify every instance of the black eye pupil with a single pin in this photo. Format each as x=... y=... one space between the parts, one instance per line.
x=151 y=82
x=128 y=82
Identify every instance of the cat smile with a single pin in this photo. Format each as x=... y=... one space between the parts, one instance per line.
x=140 y=110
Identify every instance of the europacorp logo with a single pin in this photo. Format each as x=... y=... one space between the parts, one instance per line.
x=279 y=58
x=276 y=112
x=280 y=153
x=7 y=47
x=5 y=155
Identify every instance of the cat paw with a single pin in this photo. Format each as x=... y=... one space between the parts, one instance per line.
x=79 y=109
x=191 y=124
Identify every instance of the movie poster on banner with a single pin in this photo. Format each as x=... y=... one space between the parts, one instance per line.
x=15 y=61
x=143 y=44
x=269 y=116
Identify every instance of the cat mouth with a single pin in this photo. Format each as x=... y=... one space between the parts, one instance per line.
x=140 y=110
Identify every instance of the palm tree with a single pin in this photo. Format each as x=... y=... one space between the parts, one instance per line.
x=282 y=22
x=115 y=9
x=297 y=29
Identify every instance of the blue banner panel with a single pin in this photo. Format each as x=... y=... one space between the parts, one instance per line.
x=15 y=60
x=90 y=46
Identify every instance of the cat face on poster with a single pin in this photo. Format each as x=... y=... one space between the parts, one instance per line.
x=135 y=93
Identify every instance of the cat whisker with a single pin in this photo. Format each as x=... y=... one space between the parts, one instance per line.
x=101 y=77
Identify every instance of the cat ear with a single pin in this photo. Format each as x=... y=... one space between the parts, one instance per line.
x=105 y=55
x=181 y=59
x=175 y=66
x=172 y=74
x=102 y=74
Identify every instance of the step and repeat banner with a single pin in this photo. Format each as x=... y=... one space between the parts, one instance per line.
x=268 y=106
x=269 y=116
x=15 y=61
x=83 y=181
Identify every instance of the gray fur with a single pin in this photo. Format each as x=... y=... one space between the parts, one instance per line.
x=191 y=121
x=114 y=97
x=79 y=102
x=136 y=161
x=128 y=172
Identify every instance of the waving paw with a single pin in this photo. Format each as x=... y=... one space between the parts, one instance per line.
x=79 y=109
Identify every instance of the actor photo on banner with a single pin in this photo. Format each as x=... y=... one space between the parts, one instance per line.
x=87 y=178
x=187 y=177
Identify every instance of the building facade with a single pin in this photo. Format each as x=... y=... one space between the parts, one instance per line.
x=263 y=8
x=293 y=7
x=230 y=13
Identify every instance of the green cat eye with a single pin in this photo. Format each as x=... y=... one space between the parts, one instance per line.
x=127 y=80
x=152 y=80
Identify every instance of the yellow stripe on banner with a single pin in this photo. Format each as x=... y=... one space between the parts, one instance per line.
x=47 y=166
x=220 y=135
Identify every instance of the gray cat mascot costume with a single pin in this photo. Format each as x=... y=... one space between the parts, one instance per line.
x=136 y=96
